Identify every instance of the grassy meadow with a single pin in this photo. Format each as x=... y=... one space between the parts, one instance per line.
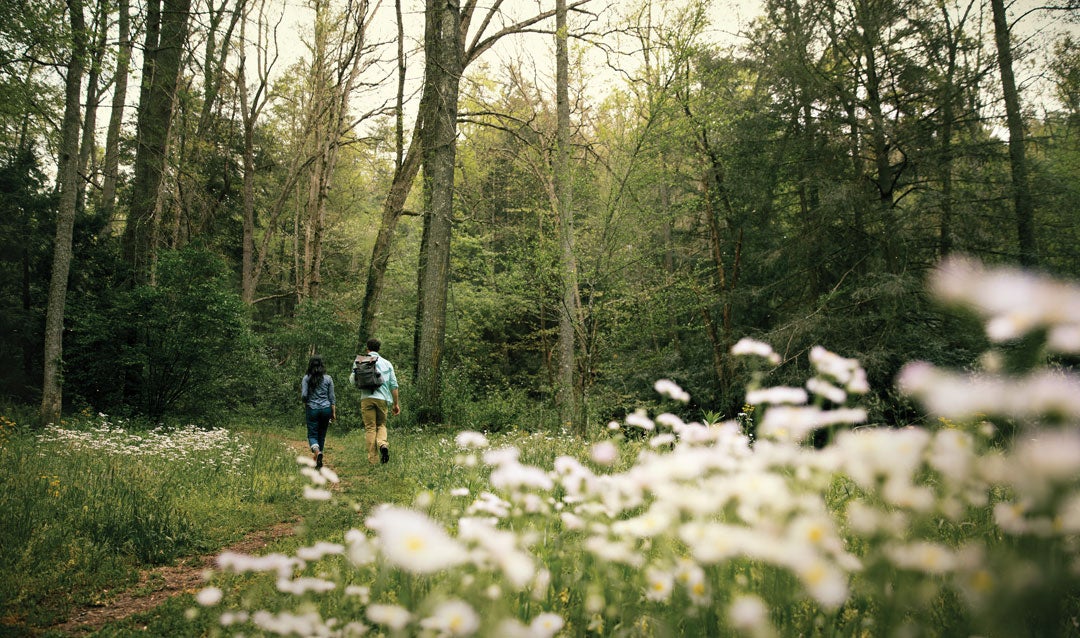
x=968 y=525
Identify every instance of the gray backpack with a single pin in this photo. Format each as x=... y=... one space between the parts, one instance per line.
x=366 y=375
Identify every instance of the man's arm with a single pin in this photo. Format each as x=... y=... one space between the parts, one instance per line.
x=397 y=401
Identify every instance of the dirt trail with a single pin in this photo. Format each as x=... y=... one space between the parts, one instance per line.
x=158 y=584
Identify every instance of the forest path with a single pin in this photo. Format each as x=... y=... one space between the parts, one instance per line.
x=158 y=584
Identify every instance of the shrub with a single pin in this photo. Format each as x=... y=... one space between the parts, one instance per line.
x=180 y=346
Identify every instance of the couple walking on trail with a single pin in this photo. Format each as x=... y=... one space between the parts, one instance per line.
x=377 y=398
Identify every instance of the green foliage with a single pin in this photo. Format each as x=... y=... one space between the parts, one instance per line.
x=938 y=530
x=27 y=219
x=90 y=501
x=179 y=346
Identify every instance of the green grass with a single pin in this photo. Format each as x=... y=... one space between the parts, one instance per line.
x=178 y=508
x=419 y=462
x=84 y=512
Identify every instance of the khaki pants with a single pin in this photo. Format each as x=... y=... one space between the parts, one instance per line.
x=373 y=411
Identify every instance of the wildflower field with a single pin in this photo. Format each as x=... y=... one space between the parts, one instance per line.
x=967 y=525
x=86 y=503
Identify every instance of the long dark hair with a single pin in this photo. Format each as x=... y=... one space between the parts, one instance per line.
x=315 y=372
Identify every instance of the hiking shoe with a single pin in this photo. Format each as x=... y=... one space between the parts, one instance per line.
x=384 y=454
x=318 y=460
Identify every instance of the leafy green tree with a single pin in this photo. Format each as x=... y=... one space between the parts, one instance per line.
x=193 y=351
x=27 y=221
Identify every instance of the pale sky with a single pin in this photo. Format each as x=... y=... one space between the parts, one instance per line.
x=727 y=17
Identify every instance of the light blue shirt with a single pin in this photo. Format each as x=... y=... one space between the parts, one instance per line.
x=384 y=391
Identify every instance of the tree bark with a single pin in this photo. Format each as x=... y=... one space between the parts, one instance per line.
x=250 y=109
x=1021 y=188
x=93 y=95
x=406 y=167
x=567 y=392
x=111 y=169
x=393 y=209
x=166 y=36
x=68 y=169
x=442 y=74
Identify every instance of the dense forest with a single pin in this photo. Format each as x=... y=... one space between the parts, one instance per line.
x=540 y=210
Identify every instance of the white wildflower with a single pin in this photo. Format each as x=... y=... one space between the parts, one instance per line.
x=502 y=456
x=241 y=563
x=546 y=625
x=653 y=522
x=604 y=453
x=414 y=542
x=846 y=372
x=638 y=418
x=747 y=346
x=659 y=584
x=513 y=475
x=453 y=618
x=671 y=390
x=748 y=613
x=670 y=421
x=922 y=556
x=319 y=550
x=692 y=577
x=359 y=549
x=1012 y=301
x=286 y=623
x=209 y=596
x=469 y=439
x=613 y=551
x=825 y=389
x=299 y=586
x=662 y=440
x=776 y=396
x=395 y=617
x=314 y=476
x=315 y=494
x=823 y=581
x=362 y=592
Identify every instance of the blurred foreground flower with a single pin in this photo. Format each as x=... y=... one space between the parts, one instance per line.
x=414 y=542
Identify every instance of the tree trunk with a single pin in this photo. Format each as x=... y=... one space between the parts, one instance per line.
x=567 y=392
x=166 y=35
x=249 y=114
x=948 y=109
x=883 y=176
x=406 y=166
x=111 y=168
x=93 y=95
x=442 y=75
x=393 y=209
x=68 y=170
x=1021 y=188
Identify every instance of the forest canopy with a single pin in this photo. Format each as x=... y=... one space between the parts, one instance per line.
x=539 y=209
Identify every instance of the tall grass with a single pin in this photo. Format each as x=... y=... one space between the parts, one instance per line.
x=953 y=530
x=86 y=503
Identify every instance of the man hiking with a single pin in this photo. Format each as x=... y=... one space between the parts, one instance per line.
x=374 y=377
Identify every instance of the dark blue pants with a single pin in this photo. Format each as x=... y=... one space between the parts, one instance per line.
x=318 y=420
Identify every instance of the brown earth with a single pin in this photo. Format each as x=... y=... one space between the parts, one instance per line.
x=157 y=585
